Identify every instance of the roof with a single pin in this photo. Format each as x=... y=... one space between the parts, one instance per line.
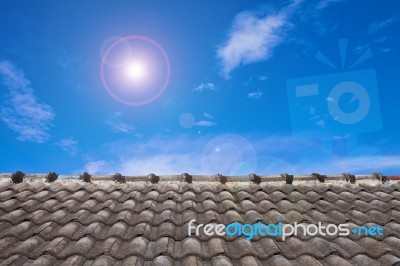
x=102 y=222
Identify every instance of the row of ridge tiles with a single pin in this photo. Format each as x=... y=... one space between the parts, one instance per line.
x=208 y=178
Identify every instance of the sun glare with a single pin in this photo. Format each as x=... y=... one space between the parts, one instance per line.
x=135 y=71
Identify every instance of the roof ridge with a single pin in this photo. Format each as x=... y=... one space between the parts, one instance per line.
x=214 y=178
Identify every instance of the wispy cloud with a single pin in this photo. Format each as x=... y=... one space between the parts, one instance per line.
x=207 y=115
x=285 y=152
x=187 y=120
x=330 y=99
x=205 y=123
x=117 y=125
x=377 y=26
x=252 y=38
x=71 y=66
x=341 y=137
x=234 y=154
x=206 y=86
x=98 y=167
x=325 y=3
x=321 y=123
x=224 y=153
x=68 y=145
x=386 y=50
x=356 y=165
x=22 y=111
x=255 y=95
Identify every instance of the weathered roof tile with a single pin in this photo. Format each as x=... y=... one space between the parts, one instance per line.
x=45 y=260
x=81 y=247
x=307 y=260
x=249 y=261
x=393 y=242
x=5 y=186
x=277 y=196
x=163 y=261
x=334 y=260
x=192 y=260
x=132 y=260
x=389 y=259
x=278 y=260
x=221 y=260
x=76 y=223
x=347 y=248
x=191 y=246
x=293 y=247
x=361 y=260
x=103 y=260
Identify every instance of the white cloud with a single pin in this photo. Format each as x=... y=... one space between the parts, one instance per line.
x=329 y=99
x=160 y=156
x=294 y=153
x=97 y=167
x=174 y=156
x=380 y=39
x=377 y=26
x=357 y=165
x=386 y=50
x=234 y=154
x=252 y=38
x=255 y=95
x=187 y=120
x=69 y=145
x=161 y=164
x=117 y=125
x=206 y=86
x=21 y=110
x=341 y=137
x=205 y=123
x=325 y=3
x=321 y=123
x=262 y=78
x=207 y=115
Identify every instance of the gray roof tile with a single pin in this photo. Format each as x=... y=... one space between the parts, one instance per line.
x=362 y=260
x=348 y=248
x=306 y=260
x=250 y=261
x=334 y=260
x=221 y=261
x=389 y=259
x=139 y=223
x=278 y=260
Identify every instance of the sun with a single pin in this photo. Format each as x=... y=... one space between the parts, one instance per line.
x=135 y=71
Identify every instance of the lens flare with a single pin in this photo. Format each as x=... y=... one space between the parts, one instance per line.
x=230 y=154
x=135 y=70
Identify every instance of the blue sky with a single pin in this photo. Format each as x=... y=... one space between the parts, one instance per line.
x=246 y=91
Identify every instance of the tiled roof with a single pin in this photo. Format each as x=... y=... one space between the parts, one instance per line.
x=104 y=222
